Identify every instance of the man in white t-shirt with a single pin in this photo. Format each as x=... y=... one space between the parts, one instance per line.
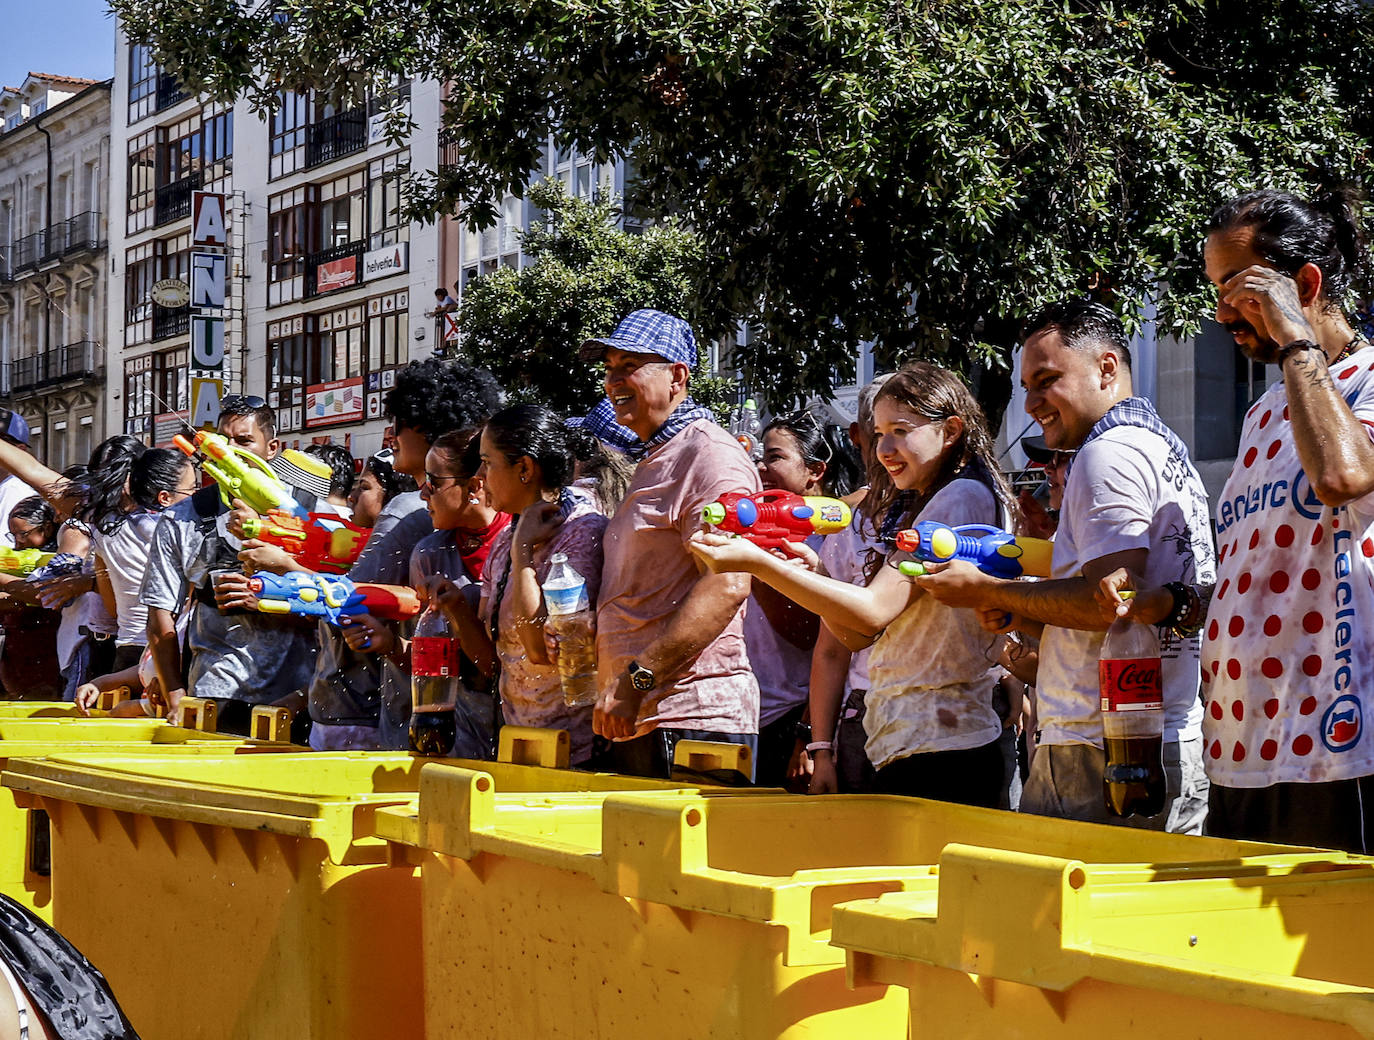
x=1288 y=646
x=1133 y=500
x=14 y=429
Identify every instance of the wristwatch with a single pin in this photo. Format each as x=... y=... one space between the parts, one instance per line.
x=640 y=677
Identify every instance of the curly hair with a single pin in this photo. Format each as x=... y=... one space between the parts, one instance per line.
x=436 y=396
x=340 y=462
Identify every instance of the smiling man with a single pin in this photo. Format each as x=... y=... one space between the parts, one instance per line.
x=671 y=662
x=1133 y=500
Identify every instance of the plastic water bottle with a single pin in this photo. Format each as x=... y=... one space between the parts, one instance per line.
x=1131 y=688
x=433 y=684
x=748 y=430
x=572 y=621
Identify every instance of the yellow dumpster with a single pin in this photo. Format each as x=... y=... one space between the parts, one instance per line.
x=1009 y=944
x=257 y=881
x=38 y=710
x=675 y=915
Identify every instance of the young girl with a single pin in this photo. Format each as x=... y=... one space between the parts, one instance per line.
x=528 y=466
x=932 y=730
x=446 y=568
x=801 y=456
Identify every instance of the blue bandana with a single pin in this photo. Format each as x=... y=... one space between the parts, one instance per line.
x=1136 y=411
x=683 y=415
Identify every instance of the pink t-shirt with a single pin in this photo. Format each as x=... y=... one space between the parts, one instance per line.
x=531 y=694
x=649 y=572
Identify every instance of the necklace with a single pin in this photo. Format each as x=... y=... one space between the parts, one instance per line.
x=1356 y=341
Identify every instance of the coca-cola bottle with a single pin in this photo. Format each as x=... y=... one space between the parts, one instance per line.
x=433 y=684
x=1130 y=684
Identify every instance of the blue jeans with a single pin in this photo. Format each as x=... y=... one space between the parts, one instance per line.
x=652 y=755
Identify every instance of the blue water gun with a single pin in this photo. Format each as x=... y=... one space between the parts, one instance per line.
x=991 y=549
x=330 y=597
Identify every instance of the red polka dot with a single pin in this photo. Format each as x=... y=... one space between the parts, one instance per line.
x=1221 y=556
x=1273 y=449
x=1271 y=707
x=1235 y=547
x=1269 y=750
x=1278 y=581
x=1206 y=677
x=1335 y=522
x=1312 y=622
x=1238 y=710
x=1215 y=709
x=1311 y=578
x=1214 y=629
x=1215 y=749
x=1225 y=585
x=1285 y=412
x=1308 y=705
x=1250 y=457
x=1302 y=745
x=1272 y=625
x=1367 y=546
x=1243 y=583
x=1216 y=667
x=1264 y=421
x=1349 y=372
x=1254 y=540
x=1283 y=537
x=1317 y=535
x=1238 y=752
x=1311 y=665
x=1237 y=626
x=1233 y=668
x=1271 y=668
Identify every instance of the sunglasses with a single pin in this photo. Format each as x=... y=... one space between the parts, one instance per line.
x=234 y=402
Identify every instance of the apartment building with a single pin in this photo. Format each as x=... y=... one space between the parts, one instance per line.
x=325 y=283
x=54 y=163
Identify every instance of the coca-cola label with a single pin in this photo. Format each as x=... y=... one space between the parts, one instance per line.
x=434 y=655
x=1130 y=684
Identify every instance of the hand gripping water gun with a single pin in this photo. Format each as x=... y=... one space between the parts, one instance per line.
x=239 y=473
x=314 y=595
x=23 y=562
x=770 y=519
x=321 y=541
x=991 y=549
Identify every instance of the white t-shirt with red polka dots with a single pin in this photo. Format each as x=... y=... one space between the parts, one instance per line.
x=1289 y=642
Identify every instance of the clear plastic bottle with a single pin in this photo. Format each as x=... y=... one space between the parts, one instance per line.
x=1131 y=687
x=433 y=684
x=748 y=430
x=572 y=621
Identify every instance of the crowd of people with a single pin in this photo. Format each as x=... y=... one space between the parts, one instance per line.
x=839 y=671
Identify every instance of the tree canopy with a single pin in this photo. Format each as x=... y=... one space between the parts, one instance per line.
x=919 y=173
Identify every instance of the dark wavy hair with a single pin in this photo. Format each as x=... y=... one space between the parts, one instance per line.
x=1290 y=232
x=340 y=462
x=462 y=449
x=156 y=470
x=106 y=480
x=435 y=396
x=820 y=443
x=383 y=467
x=533 y=431
x=607 y=471
x=41 y=515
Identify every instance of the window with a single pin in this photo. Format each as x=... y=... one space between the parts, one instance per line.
x=388 y=326
x=288 y=133
x=155 y=384
x=339 y=349
x=142 y=191
x=38 y=108
x=142 y=81
x=340 y=212
x=288 y=243
x=385 y=222
x=287 y=348
x=14 y=120
x=140 y=272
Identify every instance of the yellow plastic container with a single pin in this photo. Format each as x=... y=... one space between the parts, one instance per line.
x=38 y=710
x=665 y=914
x=257 y=880
x=1007 y=944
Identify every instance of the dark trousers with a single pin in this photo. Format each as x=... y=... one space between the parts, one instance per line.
x=975 y=776
x=1338 y=814
x=777 y=741
x=652 y=755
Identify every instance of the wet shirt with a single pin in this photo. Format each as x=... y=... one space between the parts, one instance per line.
x=1289 y=640
x=933 y=669
x=649 y=572
x=532 y=694
x=124 y=552
x=243 y=655
x=1127 y=489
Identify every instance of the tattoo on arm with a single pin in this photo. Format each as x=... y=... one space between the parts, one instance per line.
x=1312 y=367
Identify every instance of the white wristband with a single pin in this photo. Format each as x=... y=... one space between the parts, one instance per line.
x=820 y=745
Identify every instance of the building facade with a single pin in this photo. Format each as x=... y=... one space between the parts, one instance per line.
x=54 y=167
x=325 y=282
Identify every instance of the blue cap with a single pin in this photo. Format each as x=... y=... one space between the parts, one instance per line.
x=600 y=423
x=13 y=427
x=647 y=332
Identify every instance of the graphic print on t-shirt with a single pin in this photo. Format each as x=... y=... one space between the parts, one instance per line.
x=1287 y=644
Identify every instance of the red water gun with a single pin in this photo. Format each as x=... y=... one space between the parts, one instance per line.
x=321 y=541
x=771 y=519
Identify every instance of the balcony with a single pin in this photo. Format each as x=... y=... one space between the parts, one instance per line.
x=170 y=321
x=336 y=257
x=336 y=136
x=173 y=201
x=74 y=362
x=78 y=234
x=169 y=91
